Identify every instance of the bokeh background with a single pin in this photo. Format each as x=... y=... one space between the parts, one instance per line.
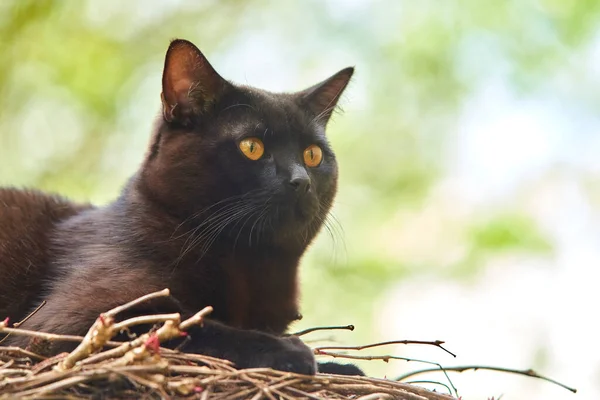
x=469 y=147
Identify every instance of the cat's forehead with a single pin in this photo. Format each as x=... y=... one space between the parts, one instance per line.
x=253 y=111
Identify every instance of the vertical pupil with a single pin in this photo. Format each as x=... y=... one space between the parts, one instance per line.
x=251 y=147
x=312 y=155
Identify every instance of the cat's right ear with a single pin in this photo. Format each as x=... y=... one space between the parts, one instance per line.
x=322 y=98
x=190 y=85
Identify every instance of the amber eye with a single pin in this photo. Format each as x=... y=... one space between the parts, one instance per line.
x=313 y=156
x=253 y=148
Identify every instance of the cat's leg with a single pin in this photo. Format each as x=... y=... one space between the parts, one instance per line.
x=251 y=349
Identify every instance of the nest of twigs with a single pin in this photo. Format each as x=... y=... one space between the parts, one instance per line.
x=177 y=375
x=100 y=368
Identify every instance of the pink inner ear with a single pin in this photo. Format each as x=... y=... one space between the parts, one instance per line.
x=186 y=68
x=179 y=74
x=181 y=87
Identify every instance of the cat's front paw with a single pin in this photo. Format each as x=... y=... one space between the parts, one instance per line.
x=288 y=354
x=295 y=357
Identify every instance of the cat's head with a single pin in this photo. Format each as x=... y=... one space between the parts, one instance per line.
x=239 y=160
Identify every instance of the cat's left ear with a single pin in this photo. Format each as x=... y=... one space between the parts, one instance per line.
x=190 y=83
x=322 y=98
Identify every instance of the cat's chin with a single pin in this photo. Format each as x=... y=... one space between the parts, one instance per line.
x=286 y=229
x=297 y=226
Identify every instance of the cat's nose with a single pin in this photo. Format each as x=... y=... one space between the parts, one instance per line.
x=300 y=183
x=299 y=179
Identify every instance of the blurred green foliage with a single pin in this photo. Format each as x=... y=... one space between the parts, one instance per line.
x=79 y=89
x=508 y=232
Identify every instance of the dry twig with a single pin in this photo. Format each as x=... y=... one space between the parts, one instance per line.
x=323 y=328
x=387 y=358
x=104 y=329
x=436 y=343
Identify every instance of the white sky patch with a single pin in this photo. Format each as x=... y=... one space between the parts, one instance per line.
x=504 y=141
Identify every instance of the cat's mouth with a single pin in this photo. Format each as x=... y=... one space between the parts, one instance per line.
x=265 y=220
x=297 y=213
x=306 y=210
x=288 y=217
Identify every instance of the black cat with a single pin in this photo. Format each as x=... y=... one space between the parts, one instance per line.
x=236 y=184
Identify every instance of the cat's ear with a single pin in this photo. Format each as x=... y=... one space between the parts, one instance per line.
x=190 y=85
x=322 y=98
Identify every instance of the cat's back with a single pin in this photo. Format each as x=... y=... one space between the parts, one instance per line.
x=27 y=215
x=27 y=220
